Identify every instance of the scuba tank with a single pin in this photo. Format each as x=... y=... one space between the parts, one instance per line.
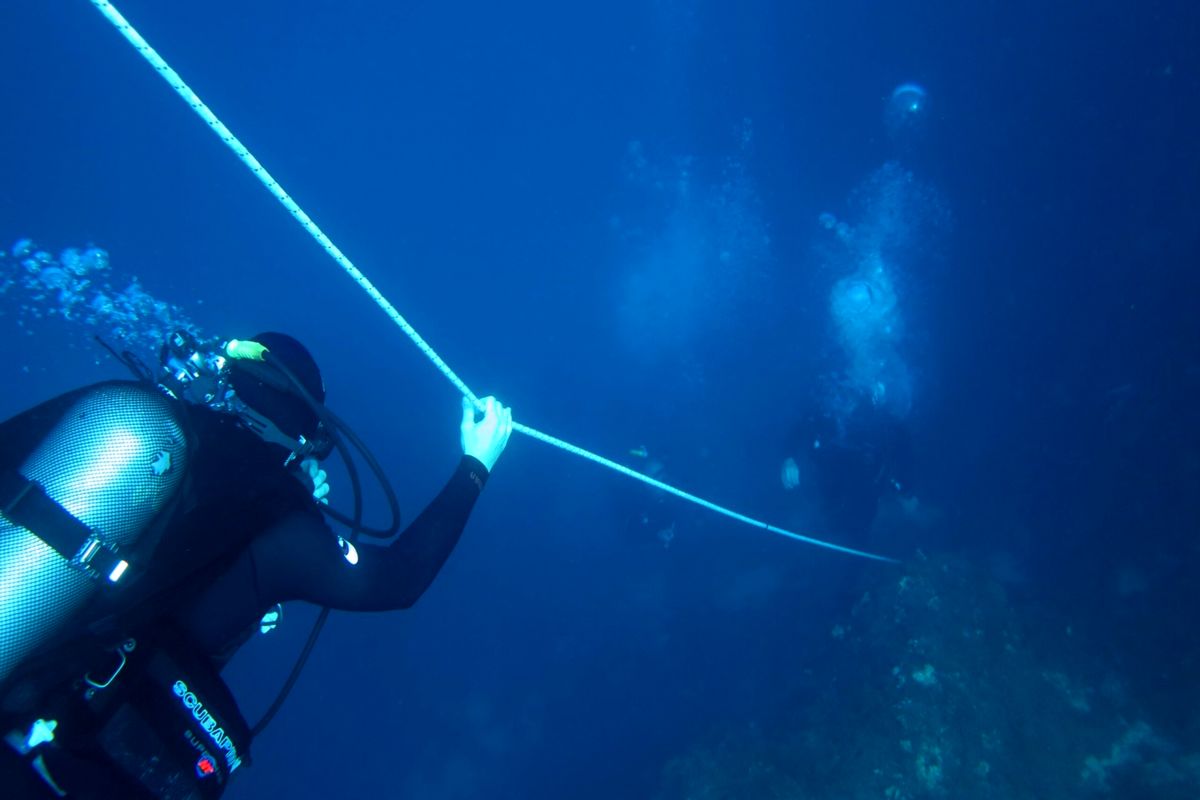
x=80 y=500
x=100 y=482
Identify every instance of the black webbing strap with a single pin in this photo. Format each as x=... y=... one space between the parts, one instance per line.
x=24 y=502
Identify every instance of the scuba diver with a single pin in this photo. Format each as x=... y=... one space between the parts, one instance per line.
x=146 y=527
x=846 y=463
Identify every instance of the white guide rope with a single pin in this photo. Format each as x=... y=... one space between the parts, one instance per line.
x=192 y=99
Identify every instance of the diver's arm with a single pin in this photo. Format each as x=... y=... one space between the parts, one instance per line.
x=299 y=560
x=401 y=573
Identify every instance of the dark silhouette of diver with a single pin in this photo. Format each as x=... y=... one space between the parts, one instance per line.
x=110 y=680
x=846 y=463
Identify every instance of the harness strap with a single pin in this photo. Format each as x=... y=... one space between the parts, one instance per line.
x=24 y=502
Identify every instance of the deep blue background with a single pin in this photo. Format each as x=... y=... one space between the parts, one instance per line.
x=472 y=159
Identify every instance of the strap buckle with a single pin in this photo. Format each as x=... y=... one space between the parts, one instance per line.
x=107 y=563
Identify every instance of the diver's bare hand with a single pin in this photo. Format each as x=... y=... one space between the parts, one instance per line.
x=486 y=438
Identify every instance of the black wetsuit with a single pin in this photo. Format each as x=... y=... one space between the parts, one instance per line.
x=295 y=555
x=247 y=536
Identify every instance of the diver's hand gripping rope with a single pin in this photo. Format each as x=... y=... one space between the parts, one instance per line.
x=192 y=99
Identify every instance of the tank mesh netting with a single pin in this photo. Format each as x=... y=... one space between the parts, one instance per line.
x=112 y=461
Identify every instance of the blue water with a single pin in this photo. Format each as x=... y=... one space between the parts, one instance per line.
x=681 y=226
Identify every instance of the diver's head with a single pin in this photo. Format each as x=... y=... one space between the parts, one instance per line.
x=277 y=392
x=267 y=388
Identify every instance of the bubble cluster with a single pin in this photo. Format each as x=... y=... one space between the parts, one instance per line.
x=831 y=223
x=696 y=249
x=898 y=221
x=865 y=309
x=899 y=215
x=79 y=287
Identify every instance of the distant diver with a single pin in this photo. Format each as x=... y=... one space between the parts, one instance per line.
x=845 y=464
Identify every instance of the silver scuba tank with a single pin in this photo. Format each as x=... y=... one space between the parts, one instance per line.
x=112 y=461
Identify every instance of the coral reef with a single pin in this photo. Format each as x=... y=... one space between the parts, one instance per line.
x=932 y=688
